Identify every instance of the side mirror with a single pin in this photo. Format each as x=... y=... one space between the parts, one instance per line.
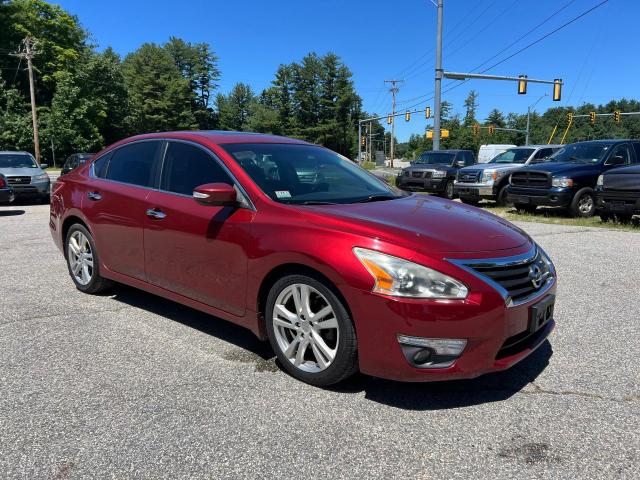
x=215 y=194
x=617 y=160
x=43 y=165
x=460 y=163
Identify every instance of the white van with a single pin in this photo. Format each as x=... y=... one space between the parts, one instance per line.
x=487 y=152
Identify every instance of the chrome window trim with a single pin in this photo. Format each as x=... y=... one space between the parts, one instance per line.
x=468 y=266
x=245 y=202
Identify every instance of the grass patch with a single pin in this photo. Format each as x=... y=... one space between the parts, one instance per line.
x=368 y=165
x=558 y=217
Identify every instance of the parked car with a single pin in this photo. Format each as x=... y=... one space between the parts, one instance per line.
x=25 y=176
x=74 y=161
x=568 y=178
x=434 y=171
x=486 y=153
x=342 y=274
x=489 y=181
x=6 y=192
x=618 y=193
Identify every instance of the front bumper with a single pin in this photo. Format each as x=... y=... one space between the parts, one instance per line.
x=6 y=195
x=431 y=185
x=475 y=190
x=621 y=203
x=552 y=197
x=32 y=189
x=497 y=335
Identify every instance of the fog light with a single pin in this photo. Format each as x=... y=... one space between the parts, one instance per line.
x=431 y=352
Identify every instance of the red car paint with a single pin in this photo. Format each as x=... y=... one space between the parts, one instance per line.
x=174 y=259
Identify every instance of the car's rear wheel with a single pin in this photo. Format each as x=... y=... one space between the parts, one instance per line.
x=583 y=204
x=82 y=260
x=310 y=331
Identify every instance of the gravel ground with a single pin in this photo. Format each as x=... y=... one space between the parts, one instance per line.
x=133 y=386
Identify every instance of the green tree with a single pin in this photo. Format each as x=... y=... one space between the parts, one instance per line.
x=160 y=95
x=471 y=106
x=235 y=109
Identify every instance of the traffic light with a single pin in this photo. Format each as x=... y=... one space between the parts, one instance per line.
x=407 y=116
x=363 y=140
x=427 y=113
x=522 y=85
x=389 y=119
x=616 y=116
x=492 y=129
x=569 y=117
x=557 y=89
x=476 y=129
x=429 y=134
x=592 y=117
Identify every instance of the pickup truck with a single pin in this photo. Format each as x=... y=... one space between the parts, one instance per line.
x=618 y=194
x=435 y=171
x=568 y=178
x=489 y=181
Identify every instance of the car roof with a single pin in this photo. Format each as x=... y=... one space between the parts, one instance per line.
x=453 y=150
x=536 y=146
x=610 y=141
x=221 y=137
x=9 y=152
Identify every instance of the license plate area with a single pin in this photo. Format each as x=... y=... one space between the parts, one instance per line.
x=541 y=313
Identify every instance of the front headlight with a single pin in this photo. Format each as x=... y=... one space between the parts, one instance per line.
x=401 y=278
x=40 y=178
x=439 y=174
x=562 y=182
x=600 y=181
x=551 y=269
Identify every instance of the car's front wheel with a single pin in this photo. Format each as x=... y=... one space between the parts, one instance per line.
x=82 y=260
x=583 y=204
x=310 y=331
x=448 y=190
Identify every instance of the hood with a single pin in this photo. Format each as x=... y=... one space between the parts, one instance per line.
x=429 y=224
x=21 y=172
x=634 y=169
x=563 y=167
x=625 y=178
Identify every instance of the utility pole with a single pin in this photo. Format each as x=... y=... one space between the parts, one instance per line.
x=438 y=89
x=394 y=89
x=28 y=51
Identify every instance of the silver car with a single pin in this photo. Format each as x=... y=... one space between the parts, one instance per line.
x=25 y=176
x=489 y=180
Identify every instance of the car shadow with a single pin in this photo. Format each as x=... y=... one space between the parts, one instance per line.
x=11 y=213
x=488 y=388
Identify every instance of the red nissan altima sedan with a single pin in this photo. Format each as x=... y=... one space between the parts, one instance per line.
x=338 y=270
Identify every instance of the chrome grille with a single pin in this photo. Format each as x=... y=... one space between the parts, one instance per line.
x=517 y=278
x=19 y=180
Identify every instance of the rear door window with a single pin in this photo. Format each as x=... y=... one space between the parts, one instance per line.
x=187 y=167
x=134 y=163
x=622 y=151
x=100 y=166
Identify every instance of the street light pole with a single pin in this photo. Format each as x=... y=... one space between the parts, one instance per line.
x=438 y=86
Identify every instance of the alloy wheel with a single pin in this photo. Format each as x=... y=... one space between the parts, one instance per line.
x=80 y=258
x=306 y=328
x=585 y=204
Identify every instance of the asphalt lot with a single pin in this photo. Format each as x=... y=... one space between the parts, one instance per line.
x=133 y=386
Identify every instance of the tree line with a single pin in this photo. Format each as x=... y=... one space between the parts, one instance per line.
x=87 y=99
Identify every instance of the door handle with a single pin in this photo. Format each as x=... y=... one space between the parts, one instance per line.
x=156 y=214
x=95 y=196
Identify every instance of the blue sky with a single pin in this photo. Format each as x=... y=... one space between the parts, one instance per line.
x=596 y=56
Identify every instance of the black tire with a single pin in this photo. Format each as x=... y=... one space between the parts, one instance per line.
x=526 y=208
x=624 y=219
x=469 y=201
x=604 y=218
x=501 y=199
x=449 y=192
x=97 y=284
x=583 y=204
x=345 y=362
x=45 y=199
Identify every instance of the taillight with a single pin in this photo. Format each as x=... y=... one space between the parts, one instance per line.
x=3 y=183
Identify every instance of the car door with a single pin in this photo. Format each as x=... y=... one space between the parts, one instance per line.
x=192 y=249
x=114 y=203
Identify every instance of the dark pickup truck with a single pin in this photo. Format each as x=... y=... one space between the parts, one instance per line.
x=618 y=194
x=568 y=178
x=435 y=171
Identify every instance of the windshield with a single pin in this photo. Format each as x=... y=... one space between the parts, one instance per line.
x=581 y=153
x=17 y=160
x=436 y=158
x=306 y=174
x=513 y=155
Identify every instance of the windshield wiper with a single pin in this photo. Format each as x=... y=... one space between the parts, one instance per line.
x=315 y=202
x=376 y=198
